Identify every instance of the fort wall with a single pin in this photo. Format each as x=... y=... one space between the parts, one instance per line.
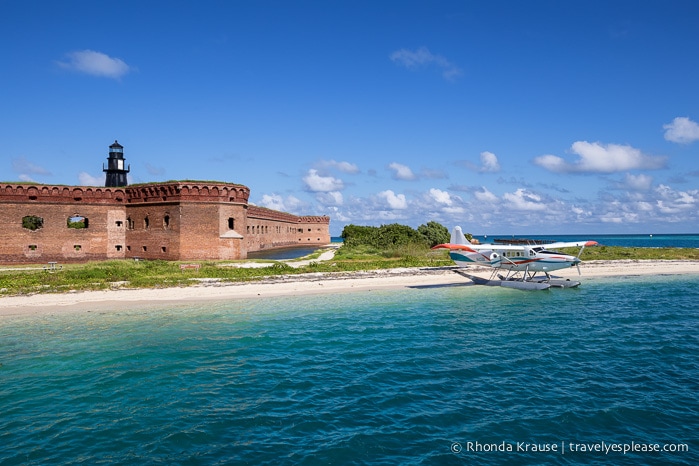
x=168 y=221
x=268 y=229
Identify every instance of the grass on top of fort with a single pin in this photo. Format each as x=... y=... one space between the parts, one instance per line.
x=19 y=280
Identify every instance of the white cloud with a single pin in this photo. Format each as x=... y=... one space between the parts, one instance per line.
x=453 y=210
x=344 y=167
x=644 y=206
x=85 y=179
x=394 y=201
x=317 y=183
x=489 y=162
x=330 y=198
x=24 y=167
x=524 y=200
x=423 y=57
x=441 y=197
x=485 y=196
x=638 y=182
x=552 y=163
x=601 y=158
x=431 y=174
x=674 y=202
x=95 y=64
x=619 y=218
x=682 y=130
x=401 y=172
x=580 y=213
x=277 y=202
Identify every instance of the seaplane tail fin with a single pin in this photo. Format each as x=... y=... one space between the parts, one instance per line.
x=457 y=236
x=457 y=242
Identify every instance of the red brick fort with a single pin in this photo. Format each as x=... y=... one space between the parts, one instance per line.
x=178 y=220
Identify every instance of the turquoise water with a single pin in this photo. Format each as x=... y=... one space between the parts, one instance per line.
x=397 y=377
x=630 y=241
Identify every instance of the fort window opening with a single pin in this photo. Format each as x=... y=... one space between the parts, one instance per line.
x=119 y=223
x=145 y=248
x=129 y=223
x=146 y=222
x=118 y=247
x=163 y=249
x=166 y=221
x=77 y=221
x=32 y=247
x=77 y=247
x=231 y=223
x=32 y=222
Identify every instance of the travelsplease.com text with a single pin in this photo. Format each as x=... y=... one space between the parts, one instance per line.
x=569 y=447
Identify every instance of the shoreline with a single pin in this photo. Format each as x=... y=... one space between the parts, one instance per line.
x=307 y=284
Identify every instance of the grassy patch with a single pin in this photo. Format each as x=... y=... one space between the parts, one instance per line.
x=620 y=253
x=154 y=274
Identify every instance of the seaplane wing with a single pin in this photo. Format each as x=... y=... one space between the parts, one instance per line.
x=499 y=247
x=513 y=247
x=574 y=244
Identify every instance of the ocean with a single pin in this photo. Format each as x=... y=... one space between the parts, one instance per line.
x=629 y=241
x=607 y=373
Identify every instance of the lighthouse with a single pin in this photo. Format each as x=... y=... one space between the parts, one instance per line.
x=116 y=173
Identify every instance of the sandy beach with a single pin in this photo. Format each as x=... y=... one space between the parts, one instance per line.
x=314 y=283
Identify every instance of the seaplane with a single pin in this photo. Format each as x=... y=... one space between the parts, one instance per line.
x=526 y=266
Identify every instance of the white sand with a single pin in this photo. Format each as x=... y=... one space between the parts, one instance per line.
x=314 y=283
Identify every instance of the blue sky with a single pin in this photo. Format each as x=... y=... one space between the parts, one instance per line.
x=504 y=117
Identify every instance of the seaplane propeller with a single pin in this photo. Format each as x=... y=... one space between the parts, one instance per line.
x=577 y=259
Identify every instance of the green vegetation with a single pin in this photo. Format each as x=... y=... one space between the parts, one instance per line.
x=32 y=222
x=157 y=274
x=395 y=236
x=77 y=222
x=435 y=233
x=622 y=253
x=397 y=242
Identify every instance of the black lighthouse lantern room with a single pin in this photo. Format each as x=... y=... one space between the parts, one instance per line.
x=116 y=173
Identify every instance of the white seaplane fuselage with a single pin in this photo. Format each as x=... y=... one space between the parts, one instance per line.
x=516 y=258
x=526 y=259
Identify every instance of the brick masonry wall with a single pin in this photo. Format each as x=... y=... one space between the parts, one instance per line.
x=55 y=241
x=268 y=229
x=169 y=221
x=153 y=231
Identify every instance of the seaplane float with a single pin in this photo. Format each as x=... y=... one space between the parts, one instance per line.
x=526 y=266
